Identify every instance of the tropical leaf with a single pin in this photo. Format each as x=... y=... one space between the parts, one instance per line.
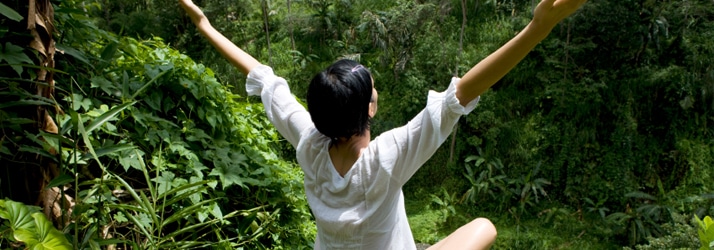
x=10 y=13
x=49 y=237
x=18 y=215
x=32 y=227
x=705 y=232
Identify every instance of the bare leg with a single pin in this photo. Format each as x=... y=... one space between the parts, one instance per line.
x=477 y=234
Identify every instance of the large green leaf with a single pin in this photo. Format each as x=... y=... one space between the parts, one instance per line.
x=49 y=236
x=19 y=215
x=706 y=232
x=10 y=13
x=26 y=236
x=32 y=227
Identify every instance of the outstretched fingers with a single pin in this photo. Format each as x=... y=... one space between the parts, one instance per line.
x=570 y=5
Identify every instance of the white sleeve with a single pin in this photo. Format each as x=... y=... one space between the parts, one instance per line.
x=403 y=150
x=288 y=116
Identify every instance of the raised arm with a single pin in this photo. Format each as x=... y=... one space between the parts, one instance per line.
x=236 y=56
x=486 y=73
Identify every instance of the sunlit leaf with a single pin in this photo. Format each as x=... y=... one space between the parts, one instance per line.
x=49 y=236
x=18 y=215
x=28 y=236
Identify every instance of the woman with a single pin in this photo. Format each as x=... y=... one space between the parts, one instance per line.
x=353 y=184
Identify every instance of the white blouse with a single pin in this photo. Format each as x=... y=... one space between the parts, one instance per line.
x=365 y=208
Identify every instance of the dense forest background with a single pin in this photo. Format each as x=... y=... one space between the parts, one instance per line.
x=124 y=127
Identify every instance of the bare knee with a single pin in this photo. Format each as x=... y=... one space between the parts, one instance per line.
x=484 y=230
x=477 y=234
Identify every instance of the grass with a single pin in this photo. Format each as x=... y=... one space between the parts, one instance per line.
x=534 y=235
x=430 y=224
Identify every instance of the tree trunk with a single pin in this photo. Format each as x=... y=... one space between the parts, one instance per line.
x=40 y=23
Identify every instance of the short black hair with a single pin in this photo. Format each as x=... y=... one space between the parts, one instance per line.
x=338 y=99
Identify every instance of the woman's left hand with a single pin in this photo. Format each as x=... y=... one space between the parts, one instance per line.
x=550 y=12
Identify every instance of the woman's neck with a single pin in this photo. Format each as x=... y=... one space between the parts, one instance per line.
x=344 y=152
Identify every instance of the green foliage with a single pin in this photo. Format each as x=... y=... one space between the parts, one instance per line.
x=14 y=56
x=616 y=105
x=706 y=232
x=155 y=151
x=490 y=181
x=643 y=219
x=30 y=227
x=678 y=234
x=504 y=192
x=192 y=132
x=445 y=204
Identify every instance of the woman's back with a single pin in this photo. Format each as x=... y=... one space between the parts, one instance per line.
x=363 y=208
